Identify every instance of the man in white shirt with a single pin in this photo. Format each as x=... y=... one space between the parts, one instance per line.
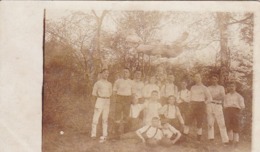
x=151 y=132
x=215 y=110
x=170 y=134
x=199 y=96
x=134 y=117
x=138 y=85
x=151 y=108
x=123 y=92
x=150 y=87
x=233 y=104
x=172 y=113
x=184 y=101
x=168 y=89
x=102 y=90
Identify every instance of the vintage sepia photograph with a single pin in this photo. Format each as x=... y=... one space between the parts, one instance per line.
x=147 y=81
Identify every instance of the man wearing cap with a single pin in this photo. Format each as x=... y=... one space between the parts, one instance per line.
x=102 y=90
x=215 y=110
x=199 y=96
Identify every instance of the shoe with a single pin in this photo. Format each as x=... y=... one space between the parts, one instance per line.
x=93 y=137
x=226 y=144
x=102 y=139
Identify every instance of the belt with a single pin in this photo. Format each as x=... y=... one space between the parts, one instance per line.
x=216 y=103
x=124 y=95
x=104 y=97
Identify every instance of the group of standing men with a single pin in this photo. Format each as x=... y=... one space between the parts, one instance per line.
x=193 y=104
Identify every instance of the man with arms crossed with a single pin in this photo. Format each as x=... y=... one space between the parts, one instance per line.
x=215 y=110
x=102 y=90
x=199 y=96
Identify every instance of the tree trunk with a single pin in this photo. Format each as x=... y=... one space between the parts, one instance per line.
x=223 y=19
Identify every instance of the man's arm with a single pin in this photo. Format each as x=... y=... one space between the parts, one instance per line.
x=175 y=131
x=178 y=113
x=140 y=131
x=208 y=95
x=177 y=138
x=241 y=102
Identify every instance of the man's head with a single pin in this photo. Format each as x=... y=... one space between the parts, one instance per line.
x=214 y=79
x=183 y=85
x=171 y=78
x=171 y=99
x=152 y=80
x=138 y=74
x=197 y=78
x=155 y=122
x=231 y=87
x=154 y=95
x=126 y=73
x=104 y=73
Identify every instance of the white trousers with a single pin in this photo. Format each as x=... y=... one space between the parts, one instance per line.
x=101 y=107
x=215 y=111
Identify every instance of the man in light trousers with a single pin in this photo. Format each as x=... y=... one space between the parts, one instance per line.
x=102 y=90
x=215 y=110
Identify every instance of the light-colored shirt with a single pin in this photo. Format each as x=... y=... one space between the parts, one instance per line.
x=171 y=112
x=216 y=92
x=135 y=110
x=234 y=100
x=151 y=109
x=151 y=132
x=149 y=88
x=200 y=93
x=168 y=132
x=183 y=96
x=123 y=87
x=168 y=90
x=138 y=88
x=102 y=88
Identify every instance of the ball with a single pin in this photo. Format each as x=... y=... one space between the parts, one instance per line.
x=61 y=132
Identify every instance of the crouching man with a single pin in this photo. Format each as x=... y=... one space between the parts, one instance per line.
x=171 y=135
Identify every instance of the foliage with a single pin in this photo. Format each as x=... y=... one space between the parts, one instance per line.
x=72 y=62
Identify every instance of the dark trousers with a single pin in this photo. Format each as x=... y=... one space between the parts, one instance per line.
x=134 y=124
x=184 y=110
x=122 y=110
x=175 y=123
x=232 y=119
x=197 y=112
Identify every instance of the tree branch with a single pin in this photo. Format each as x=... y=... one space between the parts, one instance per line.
x=240 y=21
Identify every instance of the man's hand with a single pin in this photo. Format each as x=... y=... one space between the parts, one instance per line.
x=143 y=140
x=182 y=125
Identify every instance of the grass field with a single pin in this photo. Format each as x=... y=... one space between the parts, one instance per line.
x=73 y=117
x=80 y=142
